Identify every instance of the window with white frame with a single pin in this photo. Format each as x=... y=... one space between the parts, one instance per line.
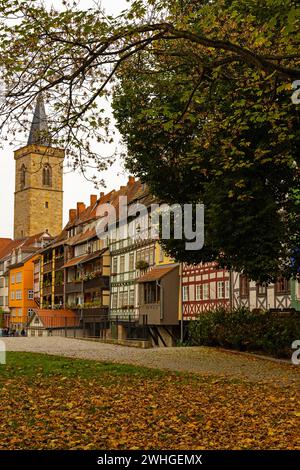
x=131 y=297
x=185 y=293
x=12 y=295
x=115 y=265
x=30 y=295
x=198 y=292
x=18 y=295
x=30 y=312
x=114 y=300
x=227 y=290
x=12 y=278
x=18 y=277
x=205 y=291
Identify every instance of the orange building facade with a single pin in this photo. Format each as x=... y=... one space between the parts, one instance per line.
x=21 y=293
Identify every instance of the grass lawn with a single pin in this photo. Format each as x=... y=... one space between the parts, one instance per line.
x=50 y=402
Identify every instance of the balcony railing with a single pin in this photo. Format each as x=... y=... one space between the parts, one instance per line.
x=98 y=282
x=72 y=287
x=59 y=290
x=47 y=290
x=59 y=262
x=47 y=268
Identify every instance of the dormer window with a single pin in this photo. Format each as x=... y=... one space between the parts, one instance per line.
x=23 y=176
x=47 y=175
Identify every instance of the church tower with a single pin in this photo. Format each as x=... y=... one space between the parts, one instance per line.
x=39 y=181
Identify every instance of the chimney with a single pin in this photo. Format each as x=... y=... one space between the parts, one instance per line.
x=101 y=194
x=72 y=215
x=93 y=199
x=80 y=208
x=131 y=180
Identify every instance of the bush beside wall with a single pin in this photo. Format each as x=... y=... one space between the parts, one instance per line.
x=240 y=329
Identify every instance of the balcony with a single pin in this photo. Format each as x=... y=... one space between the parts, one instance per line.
x=93 y=314
x=73 y=287
x=47 y=290
x=47 y=267
x=101 y=282
x=59 y=290
x=59 y=262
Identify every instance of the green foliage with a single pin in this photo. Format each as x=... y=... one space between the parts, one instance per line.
x=246 y=331
x=201 y=126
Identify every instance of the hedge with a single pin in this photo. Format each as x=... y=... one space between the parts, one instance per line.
x=270 y=333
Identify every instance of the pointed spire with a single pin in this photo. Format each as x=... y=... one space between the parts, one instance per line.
x=39 y=132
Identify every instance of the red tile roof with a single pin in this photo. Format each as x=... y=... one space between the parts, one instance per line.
x=157 y=273
x=56 y=318
x=74 y=261
x=4 y=242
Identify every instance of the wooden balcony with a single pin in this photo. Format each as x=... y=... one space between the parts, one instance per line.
x=47 y=290
x=59 y=290
x=101 y=282
x=47 y=267
x=59 y=262
x=73 y=287
x=94 y=314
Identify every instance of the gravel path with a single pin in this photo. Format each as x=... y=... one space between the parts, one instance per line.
x=197 y=359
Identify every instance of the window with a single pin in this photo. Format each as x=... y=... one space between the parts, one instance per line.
x=131 y=265
x=244 y=286
x=227 y=290
x=261 y=289
x=205 y=292
x=220 y=290
x=1 y=282
x=1 y=300
x=46 y=205
x=18 y=295
x=30 y=312
x=20 y=312
x=12 y=295
x=282 y=286
x=151 y=293
x=198 y=292
x=298 y=290
x=114 y=300
x=131 y=262
x=185 y=293
x=30 y=295
x=12 y=278
x=131 y=297
x=18 y=277
x=47 y=175
x=123 y=299
x=23 y=176
x=115 y=265
x=122 y=264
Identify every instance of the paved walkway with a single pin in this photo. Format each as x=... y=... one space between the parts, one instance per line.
x=196 y=359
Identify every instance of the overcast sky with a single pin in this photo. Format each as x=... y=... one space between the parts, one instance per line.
x=76 y=188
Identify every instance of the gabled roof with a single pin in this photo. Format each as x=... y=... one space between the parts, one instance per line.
x=56 y=318
x=157 y=273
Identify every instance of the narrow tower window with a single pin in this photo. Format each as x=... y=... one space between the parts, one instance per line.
x=47 y=175
x=23 y=176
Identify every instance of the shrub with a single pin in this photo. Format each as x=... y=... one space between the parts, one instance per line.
x=240 y=329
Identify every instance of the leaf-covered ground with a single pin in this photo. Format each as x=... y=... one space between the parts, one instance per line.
x=49 y=402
